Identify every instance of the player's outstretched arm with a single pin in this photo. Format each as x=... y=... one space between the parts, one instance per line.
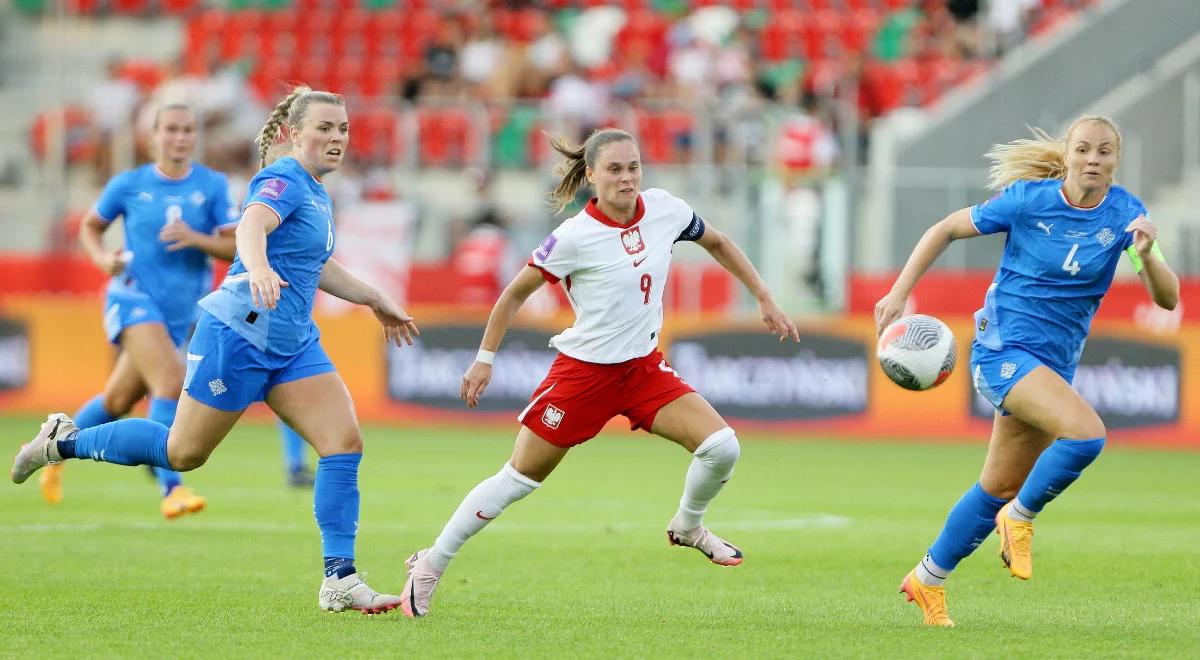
x=730 y=256
x=398 y=326
x=1160 y=280
x=479 y=374
x=951 y=228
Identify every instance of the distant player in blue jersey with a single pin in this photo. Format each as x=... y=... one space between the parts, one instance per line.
x=1067 y=226
x=176 y=215
x=256 y=341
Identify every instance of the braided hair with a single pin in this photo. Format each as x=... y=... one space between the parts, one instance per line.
x=291 y=111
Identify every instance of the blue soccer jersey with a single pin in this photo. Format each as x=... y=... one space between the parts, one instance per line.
x=297 y=249
x=1058 y=263
x=147 y=199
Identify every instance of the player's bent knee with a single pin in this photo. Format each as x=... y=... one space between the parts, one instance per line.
x=1000 y=488
x=1087 y=428
x=118 y=404
x=347 y=443
x=721 y=449
x=186 y=461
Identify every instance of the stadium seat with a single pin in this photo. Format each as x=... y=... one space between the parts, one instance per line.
x=79 y=138
x=180 y=6
x=86 y=7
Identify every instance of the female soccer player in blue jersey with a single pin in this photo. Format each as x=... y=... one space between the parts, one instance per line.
x=1067 y=226
x=256 y=341
x=176 y=214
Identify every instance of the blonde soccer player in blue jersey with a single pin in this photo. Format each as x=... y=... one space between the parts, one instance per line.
x=1068 y=225
x=256 y=341
x=177 y=215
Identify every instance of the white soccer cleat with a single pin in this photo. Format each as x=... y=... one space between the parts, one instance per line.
x=43 y=449
x=351 y=593
x=712 y=546
x=418 y=589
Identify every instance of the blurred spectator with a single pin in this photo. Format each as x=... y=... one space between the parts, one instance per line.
x=805 y=151
x=483 y=257
x=1006 y=20
x=481 y=56
x=111 y=104
x=575 y=103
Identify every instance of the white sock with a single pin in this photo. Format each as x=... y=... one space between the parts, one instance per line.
x=930 y=574
x=479 y=508
x=1019 y=511
x=710 y=469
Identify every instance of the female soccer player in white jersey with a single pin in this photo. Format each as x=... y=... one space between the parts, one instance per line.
x=612 y=259
x=256 y=341
x=176 y=215
x=1067 y=226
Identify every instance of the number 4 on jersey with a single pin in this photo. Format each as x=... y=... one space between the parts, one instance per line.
x=1069 y=264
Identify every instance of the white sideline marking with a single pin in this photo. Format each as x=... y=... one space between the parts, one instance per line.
x=810 y=521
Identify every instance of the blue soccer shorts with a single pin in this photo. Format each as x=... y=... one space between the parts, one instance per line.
x=996 y=372
x=123 y=309
x=228 y=373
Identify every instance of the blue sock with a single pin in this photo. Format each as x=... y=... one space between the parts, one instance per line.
x=971 y=519
x=163 y=412
x=339 y=566
x=293 y=448
x=93 y=413
x=335 y=505
x=1058 y=467
x=130 y=441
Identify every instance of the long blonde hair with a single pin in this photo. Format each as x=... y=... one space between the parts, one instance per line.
x=1043 y=157
x=579 y=157
x=290 y=110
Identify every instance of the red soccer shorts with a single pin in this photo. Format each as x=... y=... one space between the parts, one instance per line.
x=578 y=398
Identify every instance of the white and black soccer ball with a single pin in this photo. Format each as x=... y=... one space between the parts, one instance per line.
x=917 y=352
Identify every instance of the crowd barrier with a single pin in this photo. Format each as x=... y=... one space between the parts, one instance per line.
x=53 y=356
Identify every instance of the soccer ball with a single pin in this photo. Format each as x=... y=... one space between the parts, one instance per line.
x=917 y=352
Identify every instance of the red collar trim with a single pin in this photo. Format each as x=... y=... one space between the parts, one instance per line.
x=599 y=215
x=1062 y=193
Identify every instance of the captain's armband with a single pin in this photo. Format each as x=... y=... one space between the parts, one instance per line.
x=1136 y=259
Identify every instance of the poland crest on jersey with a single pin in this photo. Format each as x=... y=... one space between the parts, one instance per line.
x=632 y=240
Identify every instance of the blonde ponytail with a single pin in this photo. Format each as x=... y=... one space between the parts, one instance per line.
x=1043 y=157
x=290 y=111
x=578 y=158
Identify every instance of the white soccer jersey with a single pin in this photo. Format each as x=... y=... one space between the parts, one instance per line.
x=614 y=275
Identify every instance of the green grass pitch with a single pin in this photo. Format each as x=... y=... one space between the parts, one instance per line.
x=581 y=568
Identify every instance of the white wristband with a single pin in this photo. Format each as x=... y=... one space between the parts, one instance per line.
x=486 y=357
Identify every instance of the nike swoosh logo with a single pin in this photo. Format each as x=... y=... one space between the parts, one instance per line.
x=638 y=262
x=480 y=515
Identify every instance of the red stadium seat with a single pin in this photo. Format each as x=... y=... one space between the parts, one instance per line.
x=446 y=136
x=529 y=23
x=858 y=30
x=144 y=73
x=135 y=7
x=380 y=77
x=85 y=7
x=79 y=135
x=180 y=6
